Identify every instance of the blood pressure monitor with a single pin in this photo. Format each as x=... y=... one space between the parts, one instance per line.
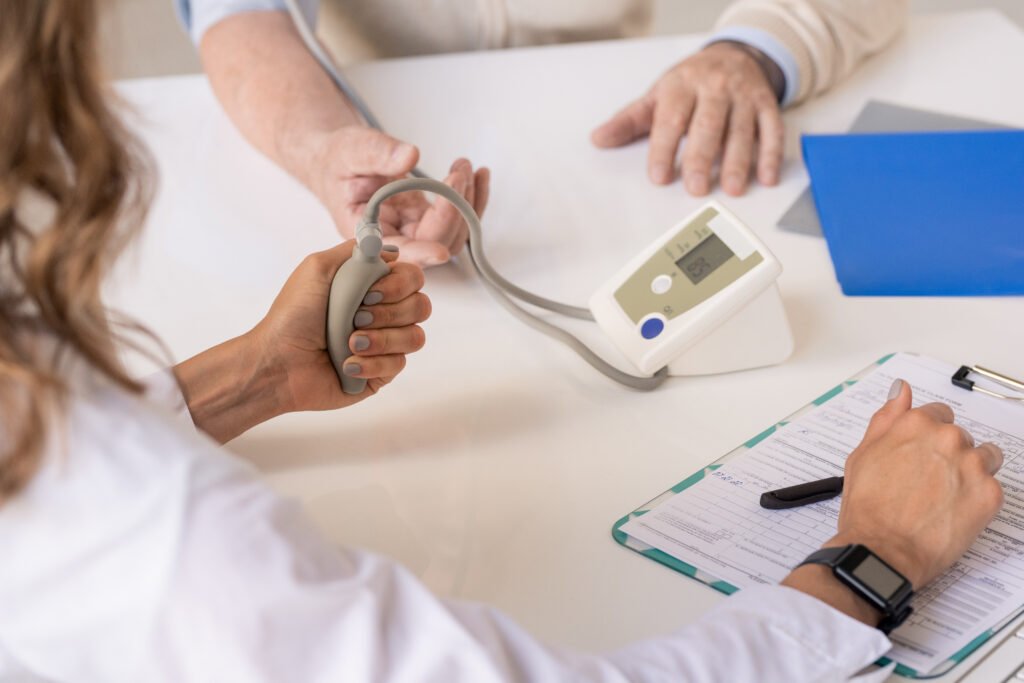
x=701 y=299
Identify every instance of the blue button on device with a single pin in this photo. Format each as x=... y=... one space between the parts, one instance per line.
x=652 y=328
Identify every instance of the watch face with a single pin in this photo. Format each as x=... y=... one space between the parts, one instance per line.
x=878 y=576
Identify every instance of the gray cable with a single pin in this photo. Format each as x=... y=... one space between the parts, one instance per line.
x=500 y=288
x=487 y=274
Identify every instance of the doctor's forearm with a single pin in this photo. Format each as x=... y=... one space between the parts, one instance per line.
x=231 y=388
x=273 y=89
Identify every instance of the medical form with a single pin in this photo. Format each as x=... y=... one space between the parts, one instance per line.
x=717 y=526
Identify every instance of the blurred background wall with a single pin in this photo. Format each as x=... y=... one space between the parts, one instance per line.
x=144 y=38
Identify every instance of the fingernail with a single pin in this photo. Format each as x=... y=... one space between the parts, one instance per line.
x=733 y=183
x=352 y=369
x=896 y=389
x=697 y=183
x=401 y=152
x=362 y=319
x=391 y=247
x=361 y=343
x=661 y=173
x=373 y=298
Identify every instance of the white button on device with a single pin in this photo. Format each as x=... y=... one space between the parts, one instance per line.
x=661 y=284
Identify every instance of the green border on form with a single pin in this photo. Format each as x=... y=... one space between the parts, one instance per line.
x=724 y=587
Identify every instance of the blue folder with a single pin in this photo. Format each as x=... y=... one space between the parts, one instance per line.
x=922 y=214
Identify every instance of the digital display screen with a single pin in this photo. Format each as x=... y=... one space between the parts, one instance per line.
x=704 y=259
x=875 y=574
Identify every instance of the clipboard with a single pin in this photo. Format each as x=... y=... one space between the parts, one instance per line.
x=727 y=588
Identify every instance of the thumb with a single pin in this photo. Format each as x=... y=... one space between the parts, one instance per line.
x=368 y=151
x=327 y=262
x=900 y=401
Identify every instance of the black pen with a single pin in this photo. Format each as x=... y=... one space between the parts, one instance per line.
x=802 y=494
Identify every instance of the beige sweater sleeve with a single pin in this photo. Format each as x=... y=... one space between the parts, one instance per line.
x=826 y=38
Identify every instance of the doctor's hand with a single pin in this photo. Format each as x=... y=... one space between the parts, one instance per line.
x=918 y=491
x=722 y=102
x=282 y=365
x=292 y=336
x=355 y=161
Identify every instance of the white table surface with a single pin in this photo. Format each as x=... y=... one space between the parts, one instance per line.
x=495 y=466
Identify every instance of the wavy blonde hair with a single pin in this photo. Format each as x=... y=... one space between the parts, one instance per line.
x=60 y=142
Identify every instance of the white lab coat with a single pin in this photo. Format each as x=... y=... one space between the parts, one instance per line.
x=143 y=552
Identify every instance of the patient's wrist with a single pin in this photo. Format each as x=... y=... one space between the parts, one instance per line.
x=772 y=72
x=309 y=153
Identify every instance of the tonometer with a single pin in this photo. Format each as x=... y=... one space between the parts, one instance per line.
x=702 y=299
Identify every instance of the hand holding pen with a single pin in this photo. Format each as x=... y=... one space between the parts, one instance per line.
x=807 y=493
x=917 y=489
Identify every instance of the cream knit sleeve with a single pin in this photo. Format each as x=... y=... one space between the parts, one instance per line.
x=825 y=39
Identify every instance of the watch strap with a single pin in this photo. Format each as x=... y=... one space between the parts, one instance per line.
x=893 y=614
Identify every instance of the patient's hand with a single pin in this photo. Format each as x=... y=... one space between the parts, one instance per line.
x=292 y=336
x=722 y=102
x=354 y=161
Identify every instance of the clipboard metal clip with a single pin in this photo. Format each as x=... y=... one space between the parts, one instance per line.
x=960 y=379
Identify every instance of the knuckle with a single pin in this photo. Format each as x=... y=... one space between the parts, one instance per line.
x=709 y=125
x=995 y=494
x=999 y=456
x=736 y=165
x=992 y=495
x=413 y=276
x=672 y=84
x=385 y=316
x=852 y=459
x=716 y=80
x=974 y=465
x=880 y=416
x=952 y=437
x=694 y=157
x=312 y=262
x=381 y=343
x=742 y=130
x=917 y=420
x=740 y=83
x=765 y=99
x=670 y=118
x=771 y=148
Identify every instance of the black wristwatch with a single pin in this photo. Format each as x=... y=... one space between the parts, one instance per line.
x=868 y=575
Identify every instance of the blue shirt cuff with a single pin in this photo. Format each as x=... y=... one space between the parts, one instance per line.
x=772 y=47
x=199 y=15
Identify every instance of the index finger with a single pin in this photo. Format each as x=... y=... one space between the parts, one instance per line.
x=422 y=253
x=627 y=125
x=938 y=411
